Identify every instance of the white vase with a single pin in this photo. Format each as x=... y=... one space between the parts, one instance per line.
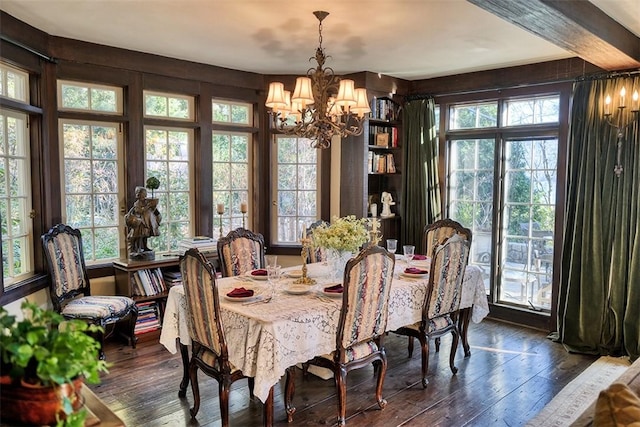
x=337 y=262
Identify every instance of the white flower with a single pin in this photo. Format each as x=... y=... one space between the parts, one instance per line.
x=344 y=234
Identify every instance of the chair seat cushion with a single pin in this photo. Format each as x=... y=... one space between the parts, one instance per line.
x=211 y=358
x=436 y=324
x=358 y=351
x=98 y=307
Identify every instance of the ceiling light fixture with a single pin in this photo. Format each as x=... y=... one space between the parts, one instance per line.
x=621 y=120
x=322 y=104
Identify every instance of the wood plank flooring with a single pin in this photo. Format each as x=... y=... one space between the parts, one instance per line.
x=511 y=374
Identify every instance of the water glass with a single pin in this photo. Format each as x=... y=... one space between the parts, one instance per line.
x=273 y=277
x=272 y=260
x=392 y=245
x=408 y=252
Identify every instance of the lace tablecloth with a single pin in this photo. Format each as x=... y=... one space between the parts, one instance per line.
x=264 y=339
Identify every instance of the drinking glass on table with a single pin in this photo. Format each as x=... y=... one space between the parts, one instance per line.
x=392 y=245
x=273 y=277
x=272 y=260
x=408 y=253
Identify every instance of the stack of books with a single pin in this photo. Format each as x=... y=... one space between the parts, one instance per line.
x=148 y=318
x=148 y=282
x=206 y=245
x=172 y=278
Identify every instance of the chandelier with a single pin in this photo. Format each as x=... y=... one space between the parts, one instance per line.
x=621 y=120
x=322 y=104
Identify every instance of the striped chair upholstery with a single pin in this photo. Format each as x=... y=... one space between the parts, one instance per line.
x=316 y=254
x=362 y=323
x=438 y=232
x=209 y=347
x=240 y=251
x=442 y=301
x=70 y=289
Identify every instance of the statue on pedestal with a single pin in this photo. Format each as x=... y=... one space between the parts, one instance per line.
x=142 y=221
x=387 y=201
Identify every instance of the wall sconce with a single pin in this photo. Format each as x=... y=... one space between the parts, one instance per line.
x=621 y=118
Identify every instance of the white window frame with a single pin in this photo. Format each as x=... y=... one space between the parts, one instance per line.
x=169 y=96
x=21 y=90
x=119 y=101
x=232 y=104
x=25 y=198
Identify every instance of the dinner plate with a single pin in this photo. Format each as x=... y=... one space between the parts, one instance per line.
x=413 y=275
x=423 y=264
x=241 y=299
x=251 y=276
x=294 y=274
x=297 y=289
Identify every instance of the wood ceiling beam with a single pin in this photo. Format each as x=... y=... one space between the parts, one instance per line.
x=574 y=25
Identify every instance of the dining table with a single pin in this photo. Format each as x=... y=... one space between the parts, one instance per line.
x=279 y=328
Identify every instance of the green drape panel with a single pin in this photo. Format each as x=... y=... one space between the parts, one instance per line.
x=599 y=299
x=421 y=189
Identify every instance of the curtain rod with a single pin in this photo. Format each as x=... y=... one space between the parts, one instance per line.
x=608 y=75
x=418 y=96
x=27 y=48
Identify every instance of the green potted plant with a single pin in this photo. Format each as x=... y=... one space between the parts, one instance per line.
x=153 y=183
x=44 y=361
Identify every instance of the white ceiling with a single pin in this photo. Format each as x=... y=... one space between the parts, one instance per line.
x=410 y=39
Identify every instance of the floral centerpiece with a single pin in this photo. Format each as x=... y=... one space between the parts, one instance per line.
x=345 y=234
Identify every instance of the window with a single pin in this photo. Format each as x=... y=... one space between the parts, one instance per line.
x=167 y=158
x=502 y=184
x=15 y=197
x=231 y=164
x=295 y=188
x=76 y=96
x=232 y=112
x=230 y=178
x=14 y=83
x=168 y=106
x=91 y=172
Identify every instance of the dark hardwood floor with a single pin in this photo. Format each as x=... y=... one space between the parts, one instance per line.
x=511 y=374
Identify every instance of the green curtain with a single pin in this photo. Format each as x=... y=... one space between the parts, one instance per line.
x=598 y=306
x=420 y=189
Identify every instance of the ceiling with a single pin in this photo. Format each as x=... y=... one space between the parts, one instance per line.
x=409 y=39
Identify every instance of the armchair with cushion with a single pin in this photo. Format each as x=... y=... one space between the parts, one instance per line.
x=362 y=324
x=70 y=289
x=240 y=251
x=442 y=301
x=206 y=331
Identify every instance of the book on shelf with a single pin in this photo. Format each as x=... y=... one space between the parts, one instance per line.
x=382 y=139
x=385 y=108
x=148 y=317
x=204 y=244
x=149 y=282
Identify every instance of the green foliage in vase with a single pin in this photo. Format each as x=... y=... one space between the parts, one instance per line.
x=343 y=234
x=153 y=183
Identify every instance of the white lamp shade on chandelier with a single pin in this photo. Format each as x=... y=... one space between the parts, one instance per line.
x=322 y=105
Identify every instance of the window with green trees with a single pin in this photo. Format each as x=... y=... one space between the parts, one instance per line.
x=501 y=183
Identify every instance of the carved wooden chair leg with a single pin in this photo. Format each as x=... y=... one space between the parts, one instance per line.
x=184 y=355
x=289 y=390
x=410 y=347
x=424 y=344
x=341 y=385
x=382 y=371
x=454 y=348
x=193 y=376
x=252 y=383
x=223 y=390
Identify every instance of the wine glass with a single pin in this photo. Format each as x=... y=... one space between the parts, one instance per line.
x=408 y=253
x=273 y=277
x=392 y=245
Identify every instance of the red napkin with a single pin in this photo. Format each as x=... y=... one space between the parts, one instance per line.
x=240 y=293
x=419 y=257
x=338 y=289
x=261 y=272
x=414 y=270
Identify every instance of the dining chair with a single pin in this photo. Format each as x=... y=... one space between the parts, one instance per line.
x=240 y=251
x=441 y=230
x=361 y=326
x=316 y=254
x=442 y=300
x=70 y=289
x=209 y=346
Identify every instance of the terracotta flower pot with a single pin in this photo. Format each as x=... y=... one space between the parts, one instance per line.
x=34 y=404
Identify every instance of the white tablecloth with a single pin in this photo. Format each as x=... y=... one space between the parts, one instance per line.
x=264 y=339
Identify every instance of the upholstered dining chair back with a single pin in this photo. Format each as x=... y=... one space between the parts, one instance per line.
x=203 y=305
x=448 y=262
x=363 y=318
x=316 y=254
x=240 y=251
x=70 y=288
x=440 y=231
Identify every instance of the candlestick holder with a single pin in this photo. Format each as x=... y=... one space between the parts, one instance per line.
x=220 y=215
x=304 y=280
x=243 y=220
x=374 y=234
x=620 y=122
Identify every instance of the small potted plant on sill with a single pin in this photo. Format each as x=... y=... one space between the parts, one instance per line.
x=45 y=360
